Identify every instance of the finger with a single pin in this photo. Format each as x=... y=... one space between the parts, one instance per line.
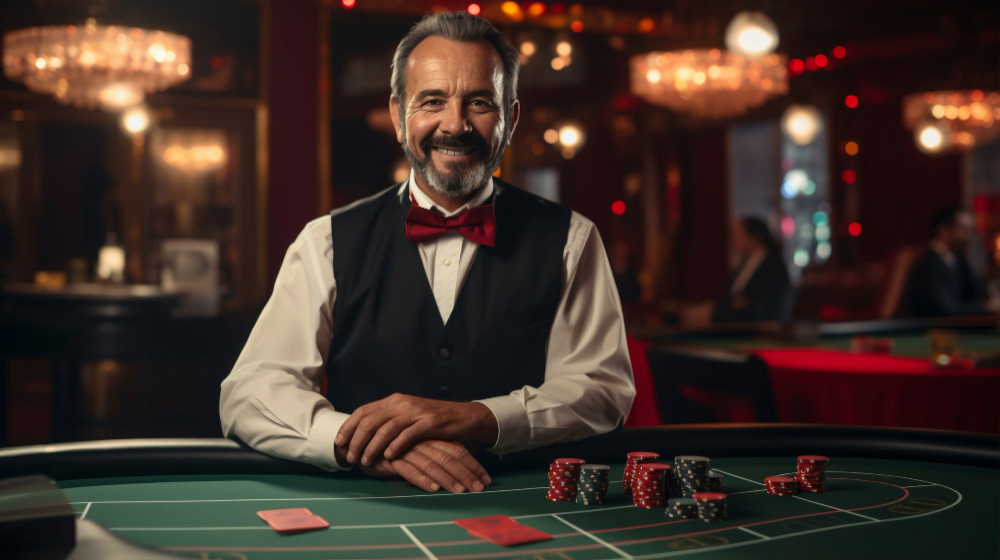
x=364 y=432
x=468 y=463
x=457 y=449
x=405 y=439
x=435 y=471
x=453 y=465
x=386 y=433
x=346 y=431
x=414 y=476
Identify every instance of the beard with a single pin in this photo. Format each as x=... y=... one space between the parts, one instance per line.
x=459 y=179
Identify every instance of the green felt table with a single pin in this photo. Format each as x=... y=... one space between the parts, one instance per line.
x=874 y=508
x=893 y=493
x=909 y=345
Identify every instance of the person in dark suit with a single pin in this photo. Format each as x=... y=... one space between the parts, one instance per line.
x=760 y=289
x=941 y=282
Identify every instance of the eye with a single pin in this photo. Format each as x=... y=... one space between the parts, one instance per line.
x=433 y=102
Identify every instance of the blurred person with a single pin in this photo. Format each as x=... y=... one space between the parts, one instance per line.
x=759 y=289
x=447 y=312
x=941 y=281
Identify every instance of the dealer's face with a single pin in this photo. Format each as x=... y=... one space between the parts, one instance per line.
x=453 y=130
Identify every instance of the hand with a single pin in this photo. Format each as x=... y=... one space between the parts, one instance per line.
x=434 y=464
x=393 y=424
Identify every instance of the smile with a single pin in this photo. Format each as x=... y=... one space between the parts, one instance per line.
x=455 y=151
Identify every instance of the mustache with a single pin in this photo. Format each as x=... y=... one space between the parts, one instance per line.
x=464 y=141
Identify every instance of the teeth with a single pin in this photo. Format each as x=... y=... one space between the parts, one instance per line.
x=455 y=152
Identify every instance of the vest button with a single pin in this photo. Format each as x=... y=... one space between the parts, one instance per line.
x=444 y=353
x=444 y=390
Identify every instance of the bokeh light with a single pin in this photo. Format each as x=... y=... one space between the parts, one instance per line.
x=851 y=148
x=821 y=60
x=576 y=26
x=752 y=34
x=135 y=120
x=801 y=123
x=618 y=207
x=854 y=229
x=848 y=176
x=787 y=226
x=823 y=251
x=536 y=9
x=347 y=3
x=839 y=52
x=474 y=9
x=527 y=48
x=801 y=257
x=796 y=65
x=851 y=101
x=551 y=136
x=563 y=48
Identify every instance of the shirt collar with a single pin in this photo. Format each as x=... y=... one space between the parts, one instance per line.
x=424 y=201
x=944 y=252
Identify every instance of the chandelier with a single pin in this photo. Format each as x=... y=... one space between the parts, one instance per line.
x=96 y=65
x=961 y=119
x=708 y=83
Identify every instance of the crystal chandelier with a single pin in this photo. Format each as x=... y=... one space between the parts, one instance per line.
x=96 y=65
x=963 y=119
x=708 y=83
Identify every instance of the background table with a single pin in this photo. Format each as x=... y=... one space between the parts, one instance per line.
x=893 y=493
x=819 y=381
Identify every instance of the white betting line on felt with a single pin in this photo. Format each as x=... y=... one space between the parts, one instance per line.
x=610 y=546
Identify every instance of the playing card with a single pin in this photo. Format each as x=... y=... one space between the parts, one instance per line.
x=501 y=530
x=294 y=520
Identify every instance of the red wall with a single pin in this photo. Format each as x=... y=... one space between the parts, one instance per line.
x=293 y=84
x=900 y=187
x=700 y=269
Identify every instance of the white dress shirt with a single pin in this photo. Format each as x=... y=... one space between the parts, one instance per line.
x=271 y=399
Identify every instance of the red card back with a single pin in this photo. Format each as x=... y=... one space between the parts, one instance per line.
x=502 y=530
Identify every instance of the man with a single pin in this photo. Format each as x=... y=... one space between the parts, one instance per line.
x=452 y=310
x=941 y=282
x=760 y=289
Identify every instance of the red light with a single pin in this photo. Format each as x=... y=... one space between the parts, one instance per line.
x=618 y=207
x=851 y=101
x=821 y=60
x=216 y=62
x=797 y=66
x=848 y=176
x=474 y=9
x=576 y=26
x=839 y=52
x=558 y=8
x=347 y=3
x=854 y=229
x=811 y=64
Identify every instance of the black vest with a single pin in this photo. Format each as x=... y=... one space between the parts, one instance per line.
x=388 y=335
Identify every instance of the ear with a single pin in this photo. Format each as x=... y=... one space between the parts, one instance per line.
x=394 y=115
x=515 y=115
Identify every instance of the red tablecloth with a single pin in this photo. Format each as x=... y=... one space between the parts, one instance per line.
x=828 y=387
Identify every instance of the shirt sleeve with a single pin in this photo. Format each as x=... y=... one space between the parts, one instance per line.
x=271 y=400
x=588 y=387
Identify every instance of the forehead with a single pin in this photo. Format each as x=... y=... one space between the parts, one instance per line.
x=439 y=63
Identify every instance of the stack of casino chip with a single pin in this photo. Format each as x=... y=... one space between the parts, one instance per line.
x=781 y=485
x=592 y=486
x=711 y=505
x=693 y=474
x=635 y=458
x=811 y=473
x=649 y=485
x=563 y=476
x=682 y=508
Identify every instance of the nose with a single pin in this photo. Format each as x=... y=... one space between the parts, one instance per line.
x=454 y=121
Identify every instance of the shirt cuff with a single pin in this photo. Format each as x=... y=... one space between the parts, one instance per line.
x=513 y=431
x=320 y=448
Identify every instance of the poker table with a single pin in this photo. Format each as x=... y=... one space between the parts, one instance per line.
x=817 y=379
x=893 y=493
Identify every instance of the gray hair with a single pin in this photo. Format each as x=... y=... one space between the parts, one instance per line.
x=456 y=26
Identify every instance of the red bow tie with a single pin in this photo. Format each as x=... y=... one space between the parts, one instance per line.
x=475 y=224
